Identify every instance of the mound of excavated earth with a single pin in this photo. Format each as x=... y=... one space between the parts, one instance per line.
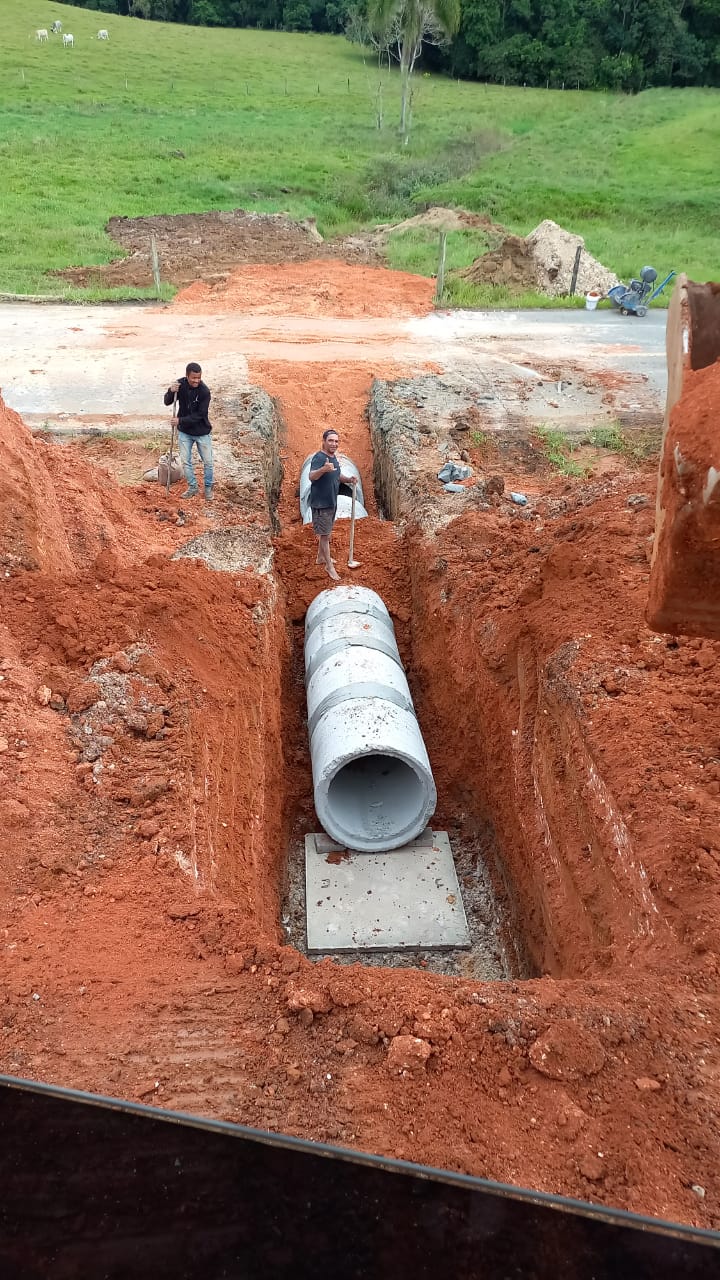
x=207 y=246
x=542 y=261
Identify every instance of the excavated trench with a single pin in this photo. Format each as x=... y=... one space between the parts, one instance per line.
x=157 y=787
x=543 y=859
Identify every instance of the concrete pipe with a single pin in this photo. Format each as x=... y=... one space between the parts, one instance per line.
x=348 y=468
x=374 y=788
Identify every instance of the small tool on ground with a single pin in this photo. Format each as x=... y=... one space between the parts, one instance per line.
x=352 y=562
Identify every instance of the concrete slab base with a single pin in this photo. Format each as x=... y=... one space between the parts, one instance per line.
x=409 y=897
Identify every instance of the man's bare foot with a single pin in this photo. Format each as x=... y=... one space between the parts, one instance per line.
x=333 y=573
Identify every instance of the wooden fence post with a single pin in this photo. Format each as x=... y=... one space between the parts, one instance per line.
x=576 y=268
x=155 y=264
x=440 y=281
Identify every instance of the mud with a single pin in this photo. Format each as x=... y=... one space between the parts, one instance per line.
x=155 y=772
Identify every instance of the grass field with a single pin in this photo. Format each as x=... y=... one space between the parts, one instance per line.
x=272 y=121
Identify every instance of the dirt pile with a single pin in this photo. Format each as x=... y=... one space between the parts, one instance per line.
x=542 y=261
x=312 y=288
x=207 y=246
x=31 y=531
x=438 y=218
x=57 y=512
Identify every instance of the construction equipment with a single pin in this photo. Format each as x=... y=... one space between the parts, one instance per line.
x=635 y=298
x=684 y=591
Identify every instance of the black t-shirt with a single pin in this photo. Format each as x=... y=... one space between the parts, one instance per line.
x=324 y=491
x=193 y=405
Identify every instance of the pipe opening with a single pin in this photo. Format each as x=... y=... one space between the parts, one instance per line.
x=375 y=797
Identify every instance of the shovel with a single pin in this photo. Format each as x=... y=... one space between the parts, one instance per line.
x=352 y=563
x=172 y=448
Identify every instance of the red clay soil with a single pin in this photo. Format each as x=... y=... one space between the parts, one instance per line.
x=317 y=288
x=685 y=584
x=140 y=876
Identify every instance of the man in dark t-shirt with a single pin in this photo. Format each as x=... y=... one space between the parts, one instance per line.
x=193 y=427
x=325 y=480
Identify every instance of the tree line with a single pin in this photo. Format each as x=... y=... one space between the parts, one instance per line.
x=626 y=45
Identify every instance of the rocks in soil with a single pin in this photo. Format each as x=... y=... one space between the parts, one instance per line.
x=567 y=1052
x=82 y=696
x=591 y=1167
x=408 y=1054
x=646 y=1084
x=298 y=998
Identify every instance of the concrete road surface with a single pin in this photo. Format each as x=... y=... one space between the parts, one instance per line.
x=74 y=367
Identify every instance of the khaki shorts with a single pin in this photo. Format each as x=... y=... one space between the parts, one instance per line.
x=323 y=519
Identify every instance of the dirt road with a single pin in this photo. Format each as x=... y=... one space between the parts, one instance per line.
x=70 y=366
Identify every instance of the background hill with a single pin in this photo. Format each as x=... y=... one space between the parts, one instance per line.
x=171 y=119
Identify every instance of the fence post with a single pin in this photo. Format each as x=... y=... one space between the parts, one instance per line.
x=155 y=264
x=576 y=268
x=440 y=281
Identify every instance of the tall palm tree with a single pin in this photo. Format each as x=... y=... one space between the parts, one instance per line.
x=413 y=21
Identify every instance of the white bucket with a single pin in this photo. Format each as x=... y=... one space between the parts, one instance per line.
x=591 y=301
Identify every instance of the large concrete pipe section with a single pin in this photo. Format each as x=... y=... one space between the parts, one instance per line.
x=374 y=788
x=348 y=468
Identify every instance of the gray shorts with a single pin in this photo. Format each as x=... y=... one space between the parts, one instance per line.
x=323 y=519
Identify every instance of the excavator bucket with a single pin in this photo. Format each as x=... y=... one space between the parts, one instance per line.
x=684 y=593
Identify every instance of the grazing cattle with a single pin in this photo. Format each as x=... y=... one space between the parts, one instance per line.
x=68 y=41
x=41 y=35
x=56 y=28
x=102 y=34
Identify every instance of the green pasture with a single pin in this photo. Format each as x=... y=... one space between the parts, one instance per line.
x=166 y=119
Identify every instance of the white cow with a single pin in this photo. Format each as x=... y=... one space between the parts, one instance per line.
x=68 y=41
x=56 y=28
x=102 y=34
x=41 y=34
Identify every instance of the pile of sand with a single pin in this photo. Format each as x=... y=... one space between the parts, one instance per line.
x=544 y=261
x=439 y=218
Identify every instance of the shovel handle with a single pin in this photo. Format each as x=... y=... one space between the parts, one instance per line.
x=172 y=448
x=351 y=556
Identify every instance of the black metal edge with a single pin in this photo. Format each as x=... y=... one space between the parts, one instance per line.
x=565 y=1204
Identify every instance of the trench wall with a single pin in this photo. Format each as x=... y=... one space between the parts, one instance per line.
x=497 y=690
x=257 y=432
x=239 y=766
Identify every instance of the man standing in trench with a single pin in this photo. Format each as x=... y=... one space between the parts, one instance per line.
x=325 y=480
x=193 y=427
